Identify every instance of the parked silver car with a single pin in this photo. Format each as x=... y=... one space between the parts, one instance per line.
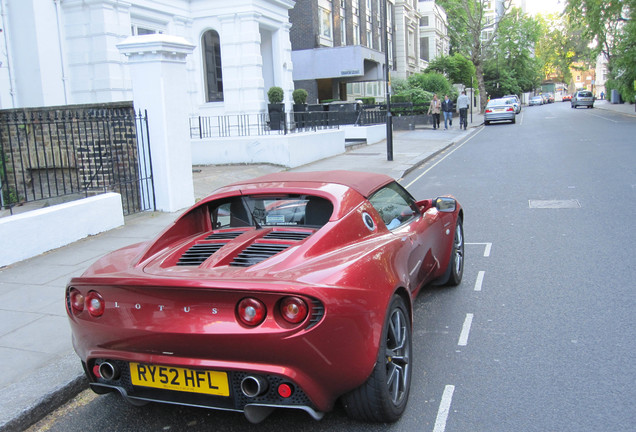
x=583 y=98
x=517 y=102
x=535 y=100
x=499 y=110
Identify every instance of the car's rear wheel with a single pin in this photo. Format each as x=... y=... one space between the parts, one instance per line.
x=514 y=120
x=383 y=397
x=456 y=263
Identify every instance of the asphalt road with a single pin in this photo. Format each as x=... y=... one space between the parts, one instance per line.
x=540 y=334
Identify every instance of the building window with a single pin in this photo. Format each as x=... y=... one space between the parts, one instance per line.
x=139 y=29
x=326 y=27
x=424 y=49
x=343 y=27
x=424 y=21
x=212 y=65
x=356 y=34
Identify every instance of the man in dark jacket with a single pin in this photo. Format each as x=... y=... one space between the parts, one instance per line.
x=447 y=108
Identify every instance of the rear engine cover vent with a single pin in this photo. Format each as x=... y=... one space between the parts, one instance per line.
x=256 y=253
x=224 y=235
x=198 y=253
x=288 y=235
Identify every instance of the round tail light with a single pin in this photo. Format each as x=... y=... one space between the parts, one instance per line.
x=251 y=311
x=293 y=309
x=95 y=304
x=76 y=300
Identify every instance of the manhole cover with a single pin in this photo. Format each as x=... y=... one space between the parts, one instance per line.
x=554 y=204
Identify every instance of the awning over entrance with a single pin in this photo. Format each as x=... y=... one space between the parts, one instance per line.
x=353 y=63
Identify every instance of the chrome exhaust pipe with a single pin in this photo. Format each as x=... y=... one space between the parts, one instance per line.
x=108 y=371
x=254 y=385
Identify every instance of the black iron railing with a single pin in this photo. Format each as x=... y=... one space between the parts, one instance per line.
x=66 y=153
x=263 y=124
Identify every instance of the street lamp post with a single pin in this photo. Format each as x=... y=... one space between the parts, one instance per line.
x=389 y=119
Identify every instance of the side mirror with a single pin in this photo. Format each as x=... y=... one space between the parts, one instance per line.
x=445 y=204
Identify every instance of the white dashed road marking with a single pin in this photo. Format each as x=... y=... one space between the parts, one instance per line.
x=463 y=337
x=444 y=409
x=480 y=280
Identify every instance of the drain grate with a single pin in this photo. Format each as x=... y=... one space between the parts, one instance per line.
x=554 y=204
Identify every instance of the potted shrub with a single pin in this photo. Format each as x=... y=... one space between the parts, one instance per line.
x=300 y=107
x=276 y=108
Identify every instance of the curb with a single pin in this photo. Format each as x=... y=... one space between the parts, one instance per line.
x=46 y=405
x=419 y=163
x=20 y=412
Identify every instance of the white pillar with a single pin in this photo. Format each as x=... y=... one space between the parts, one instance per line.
x=158 y=71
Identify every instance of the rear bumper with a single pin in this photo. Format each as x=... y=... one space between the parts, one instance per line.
x=235 y=401
x=499 y=116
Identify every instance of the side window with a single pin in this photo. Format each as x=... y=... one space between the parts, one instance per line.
x=221 y=216
x=394 y=204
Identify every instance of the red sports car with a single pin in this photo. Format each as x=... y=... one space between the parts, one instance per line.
x=291 y=290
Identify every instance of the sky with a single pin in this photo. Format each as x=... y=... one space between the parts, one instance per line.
x=535 y=7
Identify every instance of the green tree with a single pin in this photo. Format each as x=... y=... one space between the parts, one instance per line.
x=610 y=26
x=561 y=44
x=431 y=82
x=458 y=69
x=472 y=32
x=511 y=67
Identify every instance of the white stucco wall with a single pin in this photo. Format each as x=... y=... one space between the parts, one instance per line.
x=373 y=134
x=291 y=150
x=35 y=232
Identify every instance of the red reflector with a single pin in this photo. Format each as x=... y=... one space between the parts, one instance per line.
x=96 y=371
x=285 y=390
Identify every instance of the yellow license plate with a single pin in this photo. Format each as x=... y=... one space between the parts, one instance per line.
x=180 y=379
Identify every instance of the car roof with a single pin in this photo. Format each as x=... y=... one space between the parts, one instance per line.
x=362 y=182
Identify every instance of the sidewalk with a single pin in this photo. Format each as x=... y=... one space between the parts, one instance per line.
x=39 y=370
x=624 y=108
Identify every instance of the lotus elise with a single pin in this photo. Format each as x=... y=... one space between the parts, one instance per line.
x=291 y=290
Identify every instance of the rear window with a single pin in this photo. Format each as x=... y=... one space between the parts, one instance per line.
x=585 y=94
x=279 y=210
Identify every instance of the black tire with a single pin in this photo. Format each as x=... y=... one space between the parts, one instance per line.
x=514 y=120
x=456 y=262
x=383 y=397
x=486 y=123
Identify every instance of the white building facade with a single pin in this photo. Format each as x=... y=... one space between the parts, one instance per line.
x=407 y=40
x=433 y=29
x=60 y=52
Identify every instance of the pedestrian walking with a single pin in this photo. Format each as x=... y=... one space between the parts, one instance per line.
x=435 y=108
x=462 y=105
x=447 y=108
